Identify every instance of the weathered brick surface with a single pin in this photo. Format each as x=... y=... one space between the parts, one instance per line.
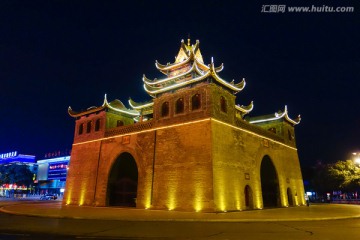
x=80 y=183
x=236 y=153
x=198 y=160
x=183 y=172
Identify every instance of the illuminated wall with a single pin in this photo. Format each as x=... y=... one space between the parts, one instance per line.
x=81 y=179
x=237 y=157
x=198 y=160
x=141 y=147
x=183 y=172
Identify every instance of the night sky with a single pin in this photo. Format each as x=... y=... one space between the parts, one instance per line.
x=55 y=54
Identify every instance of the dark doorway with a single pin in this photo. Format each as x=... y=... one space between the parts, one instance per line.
x=269 y=183
x=123 y=180
x=290 y=197
x=248 y=197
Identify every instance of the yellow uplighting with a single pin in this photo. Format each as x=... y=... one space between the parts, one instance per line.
x=143 y=131
x=147 y=195
x=199 y=196
x=83 y=193
x=237 y=197
x=220 y=186
x=247 y=131
x=258 y=197
x=224 y=200
x=188 y=123
x=171 y=198
x=68 y=194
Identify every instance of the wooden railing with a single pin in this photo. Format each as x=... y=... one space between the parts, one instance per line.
x=137 y=127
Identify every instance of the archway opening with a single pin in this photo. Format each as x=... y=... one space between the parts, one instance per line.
x=248 y=197
x=123 y=181
x=290 y=197
x=269 y=183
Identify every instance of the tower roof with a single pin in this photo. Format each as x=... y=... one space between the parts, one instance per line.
x=245 y=109
x=144 y=108
x=115 y=105
x=188 y=68
x=280 y=115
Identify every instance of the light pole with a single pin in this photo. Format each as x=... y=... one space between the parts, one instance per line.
x=356 y=162
x=356 y=157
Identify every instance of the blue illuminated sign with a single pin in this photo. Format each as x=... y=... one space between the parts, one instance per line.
x=58 y=170
x=15 y=157
x=8 y=155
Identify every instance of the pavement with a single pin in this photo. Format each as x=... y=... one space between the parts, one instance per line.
x=55 y=209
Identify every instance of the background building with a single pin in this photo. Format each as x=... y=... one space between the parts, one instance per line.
x=14 y=189
x=51 y=175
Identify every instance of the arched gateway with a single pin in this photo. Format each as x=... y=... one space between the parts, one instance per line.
x=193 y=144
x=269 y=183
x=123 y=181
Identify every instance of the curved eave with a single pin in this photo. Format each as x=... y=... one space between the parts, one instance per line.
x=285 y=115
x=117 y=104
x=164 y=68
x=155 y=82
x=245 y=109
x=293 y=122
x=278 y=116
x=235 y=87
x=74 y=114
x=152 y=90
x=159 y=65
x=199 y=70
x=219 y=68
x=190 y=52
x=204 y=67
x=139 y=106
x=120 y=110
x=124 y=111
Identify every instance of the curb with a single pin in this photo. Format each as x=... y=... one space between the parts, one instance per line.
x=135 y=218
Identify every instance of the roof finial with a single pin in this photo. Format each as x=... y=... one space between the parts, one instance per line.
x=188 y=43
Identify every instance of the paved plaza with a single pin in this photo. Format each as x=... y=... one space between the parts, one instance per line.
x=55 y=209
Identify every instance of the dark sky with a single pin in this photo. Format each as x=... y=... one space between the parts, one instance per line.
x=55 y=54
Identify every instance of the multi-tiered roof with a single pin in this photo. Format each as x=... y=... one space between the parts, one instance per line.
x=187 y=70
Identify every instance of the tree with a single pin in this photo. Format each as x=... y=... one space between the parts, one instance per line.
x=345 y=174
x=317 y=179
x=16 y=173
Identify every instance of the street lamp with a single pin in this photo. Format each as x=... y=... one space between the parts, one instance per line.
x=356 y=157
x=357 y=162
